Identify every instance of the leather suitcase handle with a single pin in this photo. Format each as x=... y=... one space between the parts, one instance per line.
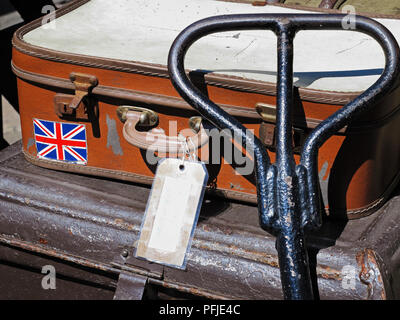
x=156 y=140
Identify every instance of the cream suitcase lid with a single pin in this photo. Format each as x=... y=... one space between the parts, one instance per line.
x=143 y=31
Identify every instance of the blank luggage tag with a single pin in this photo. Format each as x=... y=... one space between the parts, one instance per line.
x=172 y=212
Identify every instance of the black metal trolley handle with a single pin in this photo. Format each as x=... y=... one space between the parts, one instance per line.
x=288 y=195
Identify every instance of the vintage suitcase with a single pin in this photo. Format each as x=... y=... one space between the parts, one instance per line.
x=86 y=228
x=78 y=73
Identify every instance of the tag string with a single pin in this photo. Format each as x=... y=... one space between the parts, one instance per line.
x=191 y=156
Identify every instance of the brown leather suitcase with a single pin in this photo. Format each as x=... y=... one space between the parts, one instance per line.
x=96 y=74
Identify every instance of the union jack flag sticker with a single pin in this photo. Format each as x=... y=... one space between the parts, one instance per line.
x=60 y=141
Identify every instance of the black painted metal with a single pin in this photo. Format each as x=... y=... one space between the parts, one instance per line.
x=288 y=195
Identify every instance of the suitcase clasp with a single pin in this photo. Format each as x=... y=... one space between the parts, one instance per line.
x=84 y=83
x=267 y=131
x=67 y=105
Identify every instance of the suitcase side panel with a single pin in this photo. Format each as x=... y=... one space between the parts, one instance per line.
x=347 y=187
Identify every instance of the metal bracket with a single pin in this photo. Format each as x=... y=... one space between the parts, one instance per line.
x=130 y=286
x=126 y=261
x=134 y=274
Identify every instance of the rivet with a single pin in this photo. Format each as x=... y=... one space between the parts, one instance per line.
x=125 y=253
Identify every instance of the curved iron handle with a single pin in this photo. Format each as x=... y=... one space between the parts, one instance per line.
x=288 y=195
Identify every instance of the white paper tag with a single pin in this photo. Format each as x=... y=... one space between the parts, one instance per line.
x=172 y=212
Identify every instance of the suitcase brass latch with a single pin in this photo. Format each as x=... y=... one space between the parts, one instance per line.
x=267 y=131
x=148 y=118
x=68 y=105
x=84 y=83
